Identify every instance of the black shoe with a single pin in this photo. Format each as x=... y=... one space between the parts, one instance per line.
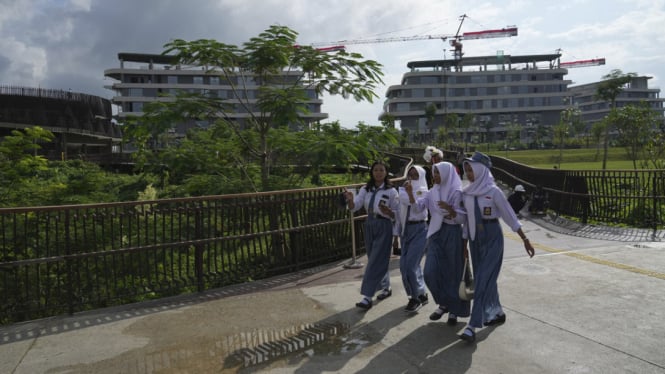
x=385 y=294
x=413 y=305
x=496 y=321
x=452 y=321
x=364 y=304
x=468 y=337
x=423 y=299
x=438 y=313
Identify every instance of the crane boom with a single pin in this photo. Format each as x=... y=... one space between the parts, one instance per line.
x=583 y=63
x=497 y=33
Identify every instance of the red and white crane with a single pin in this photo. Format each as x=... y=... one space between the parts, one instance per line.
x=507 y=31
x=582 y=63
x=455 y=42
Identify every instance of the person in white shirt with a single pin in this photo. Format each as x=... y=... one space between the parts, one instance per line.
x=379 y=198
x=445 y=257
x=413 y=230
x=485 y=203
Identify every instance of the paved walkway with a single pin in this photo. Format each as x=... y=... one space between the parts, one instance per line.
x=583 y=304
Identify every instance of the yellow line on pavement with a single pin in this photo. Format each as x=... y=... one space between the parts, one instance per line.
x=594 y=260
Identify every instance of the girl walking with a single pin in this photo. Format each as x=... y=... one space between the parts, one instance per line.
x=379 y=198
x=485 y=203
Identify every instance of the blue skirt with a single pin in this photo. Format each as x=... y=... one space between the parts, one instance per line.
x=443 y=269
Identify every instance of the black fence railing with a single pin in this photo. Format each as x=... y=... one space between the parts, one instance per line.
x=64 y=259
x=634 y=198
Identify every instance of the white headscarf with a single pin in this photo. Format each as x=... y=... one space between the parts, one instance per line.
x=450 y=182
x=482 y=183
x=419 y=185
x=431 y=151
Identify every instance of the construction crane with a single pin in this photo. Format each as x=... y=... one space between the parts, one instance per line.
x=582 y=63
x=454 y=40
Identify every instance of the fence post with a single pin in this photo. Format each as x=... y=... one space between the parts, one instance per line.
x=353 y=264
x=68 y=262
x=198 y=247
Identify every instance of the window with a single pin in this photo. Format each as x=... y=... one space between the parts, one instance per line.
x=214 y=81
x=172 y=79
x=198 y=80
x=135 y=92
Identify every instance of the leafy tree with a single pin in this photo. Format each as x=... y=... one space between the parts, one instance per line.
x=19 y=163
x=430 y=114
x=465 y=124
x=597 y=133
x=284 y=72
x=450 y=121
x=654 y=149
x=636 y=124
x=570 y=120
x=608 y=90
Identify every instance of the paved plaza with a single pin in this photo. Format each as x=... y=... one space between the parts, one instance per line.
x=590 y=301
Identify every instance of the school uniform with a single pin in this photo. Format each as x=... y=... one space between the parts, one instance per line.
x=444 y=263
x=486 y=203
x=379 y=231
x=413 y=234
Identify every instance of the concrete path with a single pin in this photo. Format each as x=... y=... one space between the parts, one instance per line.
x=583 y=304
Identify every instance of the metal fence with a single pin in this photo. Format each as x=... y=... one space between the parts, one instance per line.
x=64 y=259
x=633 y=198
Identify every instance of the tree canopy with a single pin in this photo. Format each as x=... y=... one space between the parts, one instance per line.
x=269 y=79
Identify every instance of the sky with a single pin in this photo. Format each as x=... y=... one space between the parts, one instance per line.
x=67 y=44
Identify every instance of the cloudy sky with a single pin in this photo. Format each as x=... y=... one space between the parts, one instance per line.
x=67 y=44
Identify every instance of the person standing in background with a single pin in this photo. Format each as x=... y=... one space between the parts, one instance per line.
x=445 y=258
x=379 y=198
x=518 y=199
x=413 y=229
x=485 y=203
x=431 y=156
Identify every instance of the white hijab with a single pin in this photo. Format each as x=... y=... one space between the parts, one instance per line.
x=419 y=187
x=483 y=182
x=450 y=182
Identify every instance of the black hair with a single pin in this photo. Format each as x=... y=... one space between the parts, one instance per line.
x=371 y=185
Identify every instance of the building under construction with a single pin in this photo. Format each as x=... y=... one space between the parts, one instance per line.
x=498 y=91
x=81 y=123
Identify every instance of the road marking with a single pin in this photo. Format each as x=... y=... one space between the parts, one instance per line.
x=616 y=265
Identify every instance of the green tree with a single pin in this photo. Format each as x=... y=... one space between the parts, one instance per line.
x=450 y=121
x=284 y=72
x=608 y=90
x=19 y=163
x=465 y=124
x=636 y=124
x=597 y=133
x=569 y=121
x=331 y=145
x=430 y=114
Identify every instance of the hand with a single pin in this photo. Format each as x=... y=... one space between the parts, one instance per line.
x=348 y=195
x=529 y=248
x=386 y=210
x=444 y=205
x=408 y=187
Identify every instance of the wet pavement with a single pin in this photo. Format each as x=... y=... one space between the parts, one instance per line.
x=590 y=301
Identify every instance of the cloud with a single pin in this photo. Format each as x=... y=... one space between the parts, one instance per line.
x=64 y=44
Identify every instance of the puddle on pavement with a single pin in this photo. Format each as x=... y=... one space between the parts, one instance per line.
x=322 y=339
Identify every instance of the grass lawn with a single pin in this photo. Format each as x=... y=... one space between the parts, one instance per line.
x=572 y=159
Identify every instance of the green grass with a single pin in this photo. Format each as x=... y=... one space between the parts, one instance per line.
x=572 y=159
